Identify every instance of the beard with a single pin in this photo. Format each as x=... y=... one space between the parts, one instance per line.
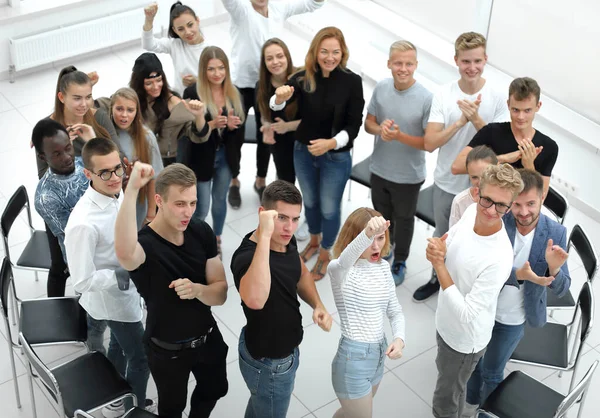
x=530 y=220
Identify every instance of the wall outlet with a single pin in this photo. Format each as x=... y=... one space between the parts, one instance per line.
x=563 y=185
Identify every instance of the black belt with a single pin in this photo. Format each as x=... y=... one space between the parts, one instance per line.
x=182 y=346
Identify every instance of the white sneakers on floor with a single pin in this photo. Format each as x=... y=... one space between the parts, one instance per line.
x=117 y=409
x=302 y=232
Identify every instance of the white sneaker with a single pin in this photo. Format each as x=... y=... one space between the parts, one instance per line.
x=114 y=410
x=150 y=406
x=302 y=232
x=469 y=410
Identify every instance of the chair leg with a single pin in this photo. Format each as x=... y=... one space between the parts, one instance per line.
x=349 y=190
x=29 y=372
x=551 y=315
x=13 y=316
x=37 y=279
x=14 y=372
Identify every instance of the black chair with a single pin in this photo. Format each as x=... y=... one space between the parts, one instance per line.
x=549 y=346
x=49 y=321
x=361 y=173
x=521 y=396
x=425 y=206
x=582 y=245
x=557 y=204
x=135 y=412
x=89 y=382
x=250 y=130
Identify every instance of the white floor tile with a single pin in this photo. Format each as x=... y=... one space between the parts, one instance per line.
x=4 y=104
x=27 y=89
x=420 y=374
x=9 y=407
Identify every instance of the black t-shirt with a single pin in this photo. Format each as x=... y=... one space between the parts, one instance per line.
x=499 y=137
x=276 y=329
x=170 y=318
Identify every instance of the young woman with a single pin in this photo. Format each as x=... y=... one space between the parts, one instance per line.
x=138 y=143
x=364 y=293
x=215 y=160
x=278 y=128
x=169 y=117
x=185 y=42
x=330 y=105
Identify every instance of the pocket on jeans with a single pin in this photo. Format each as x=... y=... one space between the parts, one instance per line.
x=250 y=374
x=353 y=353
x=338 y=157
x=285 y=367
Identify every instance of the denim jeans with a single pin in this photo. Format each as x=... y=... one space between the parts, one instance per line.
x=270 y=381
x=489 y=372
x=217 y=187
x=125 y=351
x=322 y=181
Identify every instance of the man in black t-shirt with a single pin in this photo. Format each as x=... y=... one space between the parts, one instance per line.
x=269 y=274
x=517 y=142
x=175 y=267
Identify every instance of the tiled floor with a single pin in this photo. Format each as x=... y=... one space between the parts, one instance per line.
x=408 y=383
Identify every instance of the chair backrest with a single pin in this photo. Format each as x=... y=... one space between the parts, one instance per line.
x=5 y=279
x=579 y=240
x=40 y=369
x=577 y=392
x=17 y=202
x=557 y=204
x=585 y=304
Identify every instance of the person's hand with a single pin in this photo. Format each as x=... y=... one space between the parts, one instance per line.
x=529 y=152
x=525 y=273
x=185 y=288
x=283 y=94
x=511 y=157
x=188 y=80
x=128 y=167
x=319 y=147
x=233 y=121
x=280 y=126
x=377 y=225
x=94 y=77
x=436 y=250
x=462 y=121
x=219 y=122
x=195 y=107
x=268 y=134
x=141 y=174
x=81 y=130
x=555 y=257
x=266 y=223
x=394 y=350
x=469 y=109
x=322 y=318
x=150 y=11
x=390 y=133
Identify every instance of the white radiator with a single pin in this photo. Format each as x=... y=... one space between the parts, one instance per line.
x=28 y=51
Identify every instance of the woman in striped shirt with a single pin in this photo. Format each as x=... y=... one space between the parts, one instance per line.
x=364 y=293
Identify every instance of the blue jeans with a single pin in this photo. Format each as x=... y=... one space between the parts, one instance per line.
x=270 y=381
x=217 y=187
x=125 y=351
x=489 y=372
x=322 y=181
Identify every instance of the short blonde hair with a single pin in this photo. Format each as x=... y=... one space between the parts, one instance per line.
x=402 y=46
x=504 y=176
x=469 y=40
x=354 y=225
x=174 y=175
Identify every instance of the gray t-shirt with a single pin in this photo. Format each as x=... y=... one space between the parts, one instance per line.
x=409 y=109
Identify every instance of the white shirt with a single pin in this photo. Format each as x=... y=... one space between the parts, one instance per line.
x=185 y=57
x=493 y=108
x=479 y=267
x=364 y=294
x=90 y=245
x=249 y=30
x=460 y=203
x=511 y=302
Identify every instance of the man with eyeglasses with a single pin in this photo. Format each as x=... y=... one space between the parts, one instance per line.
x=107 y=294
x=472 y=262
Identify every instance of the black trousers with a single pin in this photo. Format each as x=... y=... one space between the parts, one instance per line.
x=283 y=156
x=58 y=274
x=171 y=371
x=263 y=153
x=397 y=203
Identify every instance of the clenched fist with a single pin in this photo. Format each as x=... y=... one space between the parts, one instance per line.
x=283 y=94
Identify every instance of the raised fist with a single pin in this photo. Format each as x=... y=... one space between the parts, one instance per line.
x=377 y=226
x=283 y=94
x=150 y=11
x=141 y=174
x=266 y=223
x=196 y=107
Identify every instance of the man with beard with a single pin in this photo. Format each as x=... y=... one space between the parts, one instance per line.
x=539 y=246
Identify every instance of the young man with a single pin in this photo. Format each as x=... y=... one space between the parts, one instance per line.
x=397 y=116
x=59 y=189
x=517 y=142
x=252 y=23
x=458 y=111
x=176 y=268
x=269 y=274
x=477 y=161
x=539 y=263
x=472 y=263
x=107 y=294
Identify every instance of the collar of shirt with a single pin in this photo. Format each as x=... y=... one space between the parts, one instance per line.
x=102 y=201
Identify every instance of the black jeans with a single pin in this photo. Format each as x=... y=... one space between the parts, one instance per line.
x=59 y=273
x=283 y=156
x=263 y=153
x=171 y=370
x=397 y=203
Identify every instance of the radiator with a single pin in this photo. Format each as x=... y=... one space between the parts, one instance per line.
x=28 y=51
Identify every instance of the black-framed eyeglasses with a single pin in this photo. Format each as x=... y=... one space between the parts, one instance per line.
x=486 y=202
x=106 y=175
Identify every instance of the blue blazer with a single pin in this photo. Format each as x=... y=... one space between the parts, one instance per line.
x=535 y=295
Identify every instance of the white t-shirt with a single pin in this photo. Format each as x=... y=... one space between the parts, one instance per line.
x=460 y=203
x=493 y=108
x=479 y=267
x=511 y=302
x=249 y=30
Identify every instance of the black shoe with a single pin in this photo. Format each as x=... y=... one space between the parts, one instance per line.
x=234 y=197
x=428 y=289
x=259 y=190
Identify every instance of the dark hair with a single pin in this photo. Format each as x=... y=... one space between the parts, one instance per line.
x=174 y=175
x=280 y=191
x=45 y=128
x=522 y=88
x=481 y=152
x=97 y=146
x=177 y=9
x=531 y=180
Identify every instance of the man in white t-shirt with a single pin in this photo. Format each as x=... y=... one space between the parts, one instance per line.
x=458 y=111
x=472 y=262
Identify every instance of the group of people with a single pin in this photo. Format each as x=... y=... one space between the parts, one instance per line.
x=126 y=184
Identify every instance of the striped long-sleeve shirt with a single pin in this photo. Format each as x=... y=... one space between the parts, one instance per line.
x=364 y=294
